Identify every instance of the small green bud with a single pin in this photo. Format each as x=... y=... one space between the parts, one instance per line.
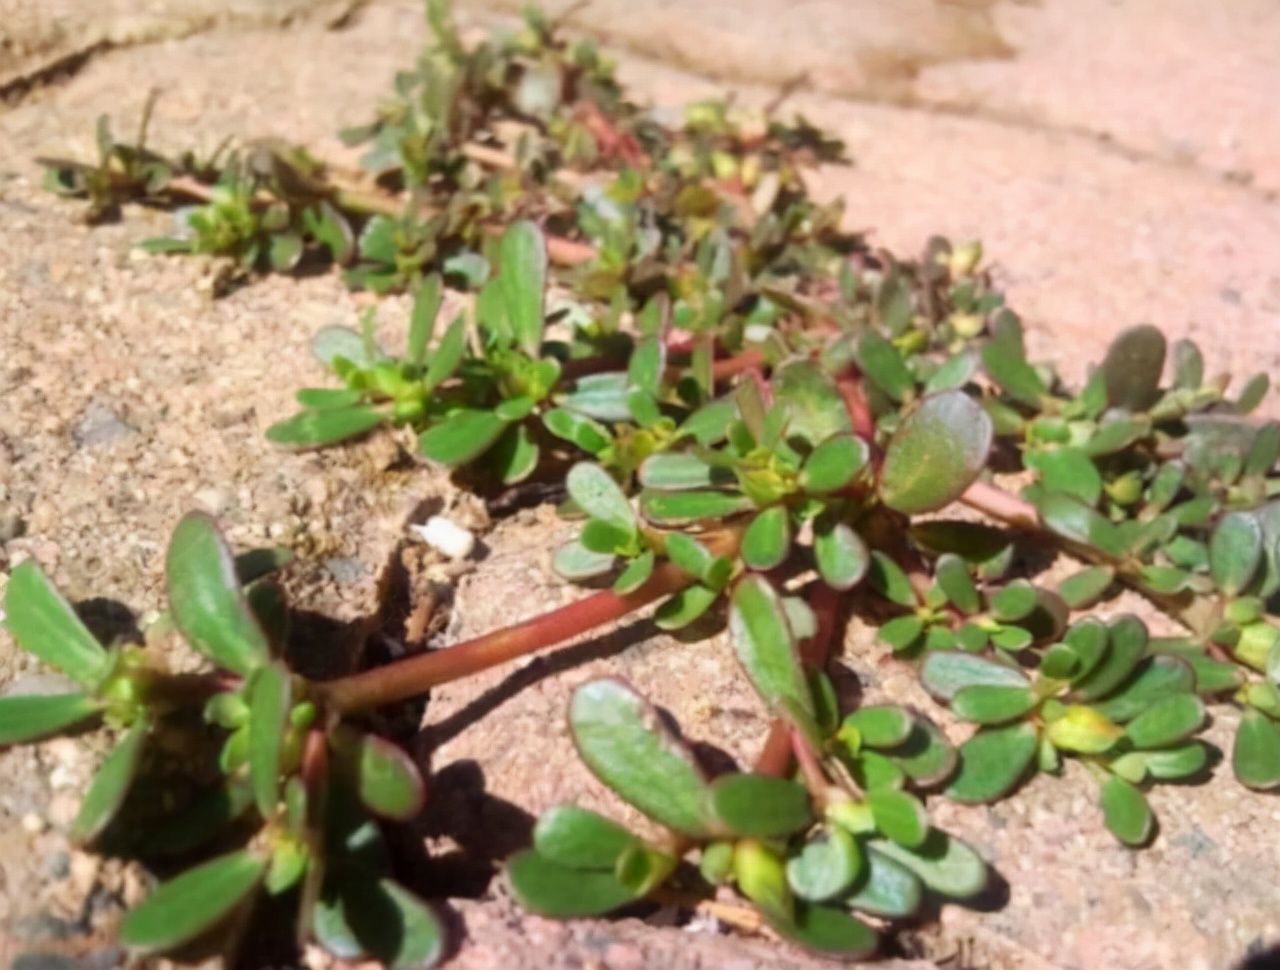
x=227 y=710
x=716 y=862
x=965 y=259
x=1126 y=489
x=967 y=325
x=303 y=715
x=762 y=878
x=853 y=817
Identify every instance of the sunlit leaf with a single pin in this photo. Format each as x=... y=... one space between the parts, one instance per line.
x=44 y=624
x=461 y=437
x=992 y=762
x=109 y=786
x=766 y=647
x=552 y=889
x=935 y=454
x=28 y=717
x=522 y=275
x=943 y=863
x=579 y=838
x=1256 y=754
x=826 y=865
x=946 y=672
x=269 y=703
x=1126 y=812
x=383 y=775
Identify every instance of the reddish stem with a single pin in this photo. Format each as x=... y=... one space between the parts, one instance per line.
x=775 y=756
x=415 y=675
x=1001 y=505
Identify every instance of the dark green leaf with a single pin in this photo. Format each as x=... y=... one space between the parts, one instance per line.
x=901 y=632
x=1256 y=754
x=1084 y=588
x=461 y=437
x=992 y=762
x=899 y=816
x=882 y=364
x=384 y=776
x=1235 y=551
x=887 y=578
x=1067 y=470
x=677 y=508
x=44 y=624
x=815 y=409
x=841 y=555
x=579 y=838
x=625 y=744
x=766 y=647
x=767 y=541
x=205 y=597
x=952 y=575
x=760 y=806
x=935 y=454
x=1126 y=812
x=28 y=717
x=1073 y=520
x=188 y=905
x=1133 y=366
x=825 y=929
x=1174 y=763
x=447 y=356
x=588 y=434
x=881 y=725
x=944 y=863
x=559 y=891
x=110 y=785
x=1126 y=643
x=1167 y=721
x=514 y=455
x=1006 y=363
x=1156 y=677
x=833 y=464
x=1014 y=602
x=1087 y=639
x=984 y=704
x=635 y=575
x=684 y=607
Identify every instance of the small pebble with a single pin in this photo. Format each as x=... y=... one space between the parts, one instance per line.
x=446 y=536
x=32 y=823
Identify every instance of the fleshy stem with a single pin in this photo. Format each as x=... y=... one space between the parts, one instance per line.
x=415 y=675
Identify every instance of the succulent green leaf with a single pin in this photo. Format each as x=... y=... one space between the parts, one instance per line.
x=109 y=786
x=834 y=464
x=333 y=343
x=383 y=775
x=935 y=454
x=882 y=364
x=902 y=632
x=899 y=816
x=1126 y=812
x=1085 y=587
x=992 y=762
x=600 y=396
x=1088 y=640
x=984 y=704
x=422 y=319
x=826 y=865
x=522 y=276
x=1126 y=643
x=760 y=806
x=574 y=561
x=685 y=607
x=635 y=575
x=767 y=540
x=887 y=578
x=186 y=906
x=952 y=575
x=1235 y=552
x=881 y=725
x=1263 y=451
x=44 y=624
x=597 y=494
x=825 y=929
x=623 y=741
x=1067 y=470
x=29 y=717
x=461 y=437
x=709 y=423
x=1166 y=722
x=588 y=434
x=943 y=863
x=318 y=428
x=766 y=647
x=269 y=703
x=550 y=888
x=815 y=409
x=1014 y=602
x=1005 y=360
x=206 y=600
x=1077 y=522
x=1174 y=763
x=679 y=470
x=579 y=838
x=1133 y=366
x=678 y=508
x=946 y=672
x=447 y=356
x=1255 y=756
x=1082 y=729
x=328 y=398
x=841 y=555
x=1156 y=677
x=887 y=889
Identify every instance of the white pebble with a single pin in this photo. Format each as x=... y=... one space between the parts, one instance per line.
x=446 y=536
x=32 y=823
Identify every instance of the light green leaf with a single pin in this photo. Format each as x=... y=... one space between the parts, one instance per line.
x=447 y=356
x=44 y=624
x=945 y=672
x=841 y=555
x=522 y=275
x=579 y=838
x=678 y=508
x=384 y=776
x=899 y=816
x=551 y=889
x=1126 y=812
x=461 y=437
x=760 y=806
x=1235 y=552
x=826 y=865
x=766 y=647
x=834 y=464
x=269 y=702
x=992 y=762
x=626 y=745
x=186 y=906
x=767 y=541
x=985 y=704
x=944 y=863
x=29 y=717
x=1256 y=754
x=1167 y=722
x=597 y=494
x=422 y=320
x=206 y=600
x=318 y=428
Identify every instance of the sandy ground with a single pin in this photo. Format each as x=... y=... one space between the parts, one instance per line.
x=1120 y=164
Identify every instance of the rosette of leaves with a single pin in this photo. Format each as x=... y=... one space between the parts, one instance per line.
x=807 y=856
x=296 y=793
x=1126 y=707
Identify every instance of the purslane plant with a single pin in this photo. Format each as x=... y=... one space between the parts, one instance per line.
x=750 y=412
